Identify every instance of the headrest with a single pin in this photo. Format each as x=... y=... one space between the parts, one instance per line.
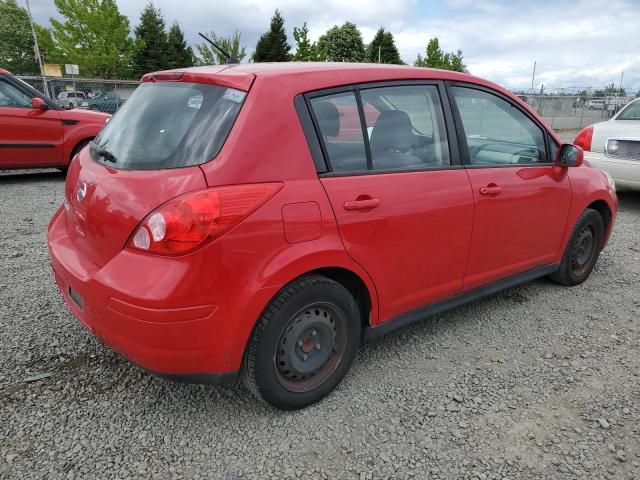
x=328 y=118
x=392 y=131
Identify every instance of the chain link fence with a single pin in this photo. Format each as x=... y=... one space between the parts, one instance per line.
x=93 y=94
x=573 y=112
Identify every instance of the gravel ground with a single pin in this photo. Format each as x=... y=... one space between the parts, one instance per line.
x=537 y=382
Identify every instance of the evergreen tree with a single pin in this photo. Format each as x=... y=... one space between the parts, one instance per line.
x=306 y=50
x=179 y=54
x=342 y=44
x=383 y=49
x=151 y=52
x=209 y=55
x=272 y=45
x=436 y=58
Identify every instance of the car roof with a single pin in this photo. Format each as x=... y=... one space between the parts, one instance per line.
x=4 y=72
x=311 y=75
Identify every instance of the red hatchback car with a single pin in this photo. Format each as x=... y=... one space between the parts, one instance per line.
x=231 y=218
x=35 y=132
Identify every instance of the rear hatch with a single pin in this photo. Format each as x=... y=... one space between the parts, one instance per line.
x=147 y=154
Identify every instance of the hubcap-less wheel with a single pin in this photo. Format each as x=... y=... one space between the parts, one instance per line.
x=310 y=347
x=304 y=343
x=585 y=248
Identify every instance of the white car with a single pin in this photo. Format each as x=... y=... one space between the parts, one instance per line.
x=71 y=99
x=614 y=146
x=595 y=104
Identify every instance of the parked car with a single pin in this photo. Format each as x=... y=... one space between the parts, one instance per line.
x=106 y=102
x=614 y=146
x=71 y=99
x=35 y=132
x=224 y=223
x=596 y=104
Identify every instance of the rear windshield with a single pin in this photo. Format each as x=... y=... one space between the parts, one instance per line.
x=168 y=125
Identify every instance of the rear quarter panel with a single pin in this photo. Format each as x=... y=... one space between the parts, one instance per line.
x=254 y=260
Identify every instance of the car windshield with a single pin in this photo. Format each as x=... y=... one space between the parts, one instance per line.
x=631 y=112
x=168 y=125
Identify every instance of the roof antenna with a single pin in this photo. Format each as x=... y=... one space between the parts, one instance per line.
x=230 y=59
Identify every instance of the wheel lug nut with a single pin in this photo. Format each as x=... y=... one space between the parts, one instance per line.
x=313 y=333
x=304 y=357
x=318 y=347
x=300 y=343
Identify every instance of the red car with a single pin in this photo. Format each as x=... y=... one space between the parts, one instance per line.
x=35 y=132
x=222 y=223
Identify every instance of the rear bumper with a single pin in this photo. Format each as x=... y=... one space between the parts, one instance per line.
x=625 y=173
x=187 y=343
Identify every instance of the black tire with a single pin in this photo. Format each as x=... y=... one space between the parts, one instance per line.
x=582 y=251
x=320 y=320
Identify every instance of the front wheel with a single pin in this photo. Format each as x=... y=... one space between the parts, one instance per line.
x=582 y=251
x=303 y=344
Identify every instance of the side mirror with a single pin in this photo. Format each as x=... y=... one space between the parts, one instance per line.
x=570 y=155
x=38 y=104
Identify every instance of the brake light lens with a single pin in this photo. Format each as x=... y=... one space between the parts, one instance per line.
x=188 y=221
x=583 y=140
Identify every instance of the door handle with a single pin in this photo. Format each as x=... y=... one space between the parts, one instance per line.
x=362 y=204
x=491 y=189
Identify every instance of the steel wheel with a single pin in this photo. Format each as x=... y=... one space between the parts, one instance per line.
x=303 y=344
x=584 y=250
x=311 y=347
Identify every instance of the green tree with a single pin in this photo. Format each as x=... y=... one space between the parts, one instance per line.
x=152 y=50
x=16 y=39
x=48 y=49
x=306 y=51
x=209 y=55
x=382 y=49
x=436 y=58
x=638 y=94
x=342 y=44
x=610 y=91
x=272 y=46
x=95 y=36
x=179 y=55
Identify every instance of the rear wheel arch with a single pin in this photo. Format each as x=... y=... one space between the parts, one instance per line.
x=354 y=284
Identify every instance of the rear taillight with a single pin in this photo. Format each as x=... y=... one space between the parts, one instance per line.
x=583 y=140
x=190 y=220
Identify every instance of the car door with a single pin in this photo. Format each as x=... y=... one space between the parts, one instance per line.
x=404 y=209
x=521 y=198
x=28 y=137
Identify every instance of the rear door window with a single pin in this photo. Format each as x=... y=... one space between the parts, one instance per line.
x=168 y=125
x=406 y=127
x=339 y=123
x=391 y=128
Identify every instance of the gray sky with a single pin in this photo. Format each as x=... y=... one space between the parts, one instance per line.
x=576 y=43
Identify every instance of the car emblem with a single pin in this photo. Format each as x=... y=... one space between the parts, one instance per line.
x=81 y=192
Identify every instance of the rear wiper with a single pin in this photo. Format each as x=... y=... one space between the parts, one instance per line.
x=103 y=152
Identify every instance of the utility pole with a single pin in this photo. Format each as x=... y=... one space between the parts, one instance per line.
x=533 y=77
x=379 y=52
x=620 y=88
x=37 y=50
